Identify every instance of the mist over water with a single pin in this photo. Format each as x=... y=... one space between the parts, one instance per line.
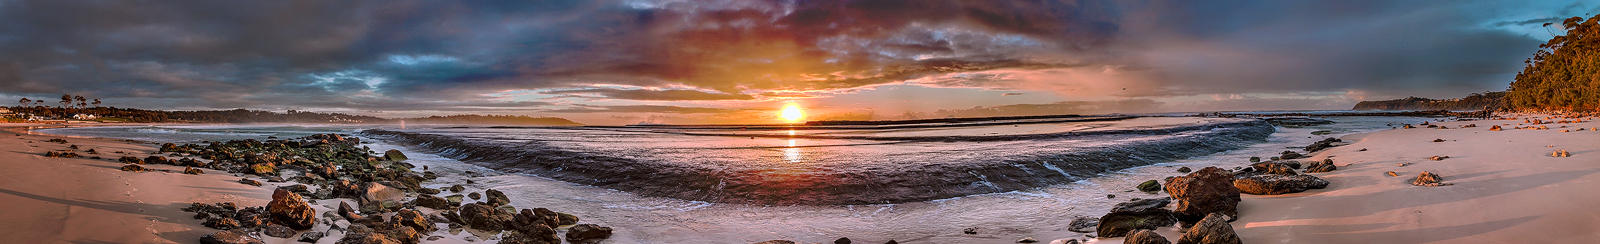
x=1041 y=212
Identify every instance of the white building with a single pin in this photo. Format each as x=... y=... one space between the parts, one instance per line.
x=83 y=116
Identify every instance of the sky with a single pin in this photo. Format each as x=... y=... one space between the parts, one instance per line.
x=715 y=61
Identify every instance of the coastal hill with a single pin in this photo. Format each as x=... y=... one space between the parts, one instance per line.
x=1476 y=101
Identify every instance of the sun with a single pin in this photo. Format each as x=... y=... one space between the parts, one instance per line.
x=792 y=113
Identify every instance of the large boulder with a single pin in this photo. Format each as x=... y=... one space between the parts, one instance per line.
x=496 y=198
x=347 y=212
x=1214 y=229
x=1209 y=190
x=540 y=237
x=1134 y=215
x=229 y=237
x=1145 y=237
x=1323 y=144
x=394 y=155
x=590 y=233
x=433 y=202
x=1274 y=184
x=484 y=217
x=288 y=209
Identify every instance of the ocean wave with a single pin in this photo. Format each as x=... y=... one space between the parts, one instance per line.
x=976 y=164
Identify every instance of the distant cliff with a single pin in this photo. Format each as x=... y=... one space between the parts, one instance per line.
x=1476 y=101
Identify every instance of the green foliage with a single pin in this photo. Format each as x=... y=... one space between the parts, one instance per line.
x=1564 y=74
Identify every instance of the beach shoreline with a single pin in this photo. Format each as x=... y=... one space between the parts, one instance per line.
x=70 y=199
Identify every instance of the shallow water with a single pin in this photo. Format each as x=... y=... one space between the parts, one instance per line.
x=1040 y=212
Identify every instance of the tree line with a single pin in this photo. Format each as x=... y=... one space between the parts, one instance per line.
x=1564 y=74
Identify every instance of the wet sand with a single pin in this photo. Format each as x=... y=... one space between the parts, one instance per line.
x=83 y=200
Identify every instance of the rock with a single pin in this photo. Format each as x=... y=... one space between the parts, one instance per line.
x=157 y=160
x=249 y=182
x=1145 y=237
x=394 y=155
x=457 y=188
x=1560 y=153
x=1150 y=186
x=1137 y=214
x=776 y=242
x=590 y=233
x=1428 y=179
x=221 y=223
x=566 y=219
x=496 y=198
x=1438 y=158
x=1323 y=144
x=1184 y=169
x=1392 y=174
x=229 y=237
x=1277 y=168
x=1255 y=159
x=1290 y=155
x=367 y=238
x=543 y=237
x=1318 y=167
x=1083 y=225
x=1214 y=229
x=311 y=237
x=1027 y=240
x=970 y=231
x=132 y=168
x=474 y=196
x=433 y=202
x=347 y=212
x=192 y=171
x=1438 y=140
x=263 y=169
x=1494 y=128
x=288 y=209
x=380 y=195
x=130 y=160
x=1274 y=184
x=413 y=219
x=1203 y=192
x=278 y=231
x=483 y=217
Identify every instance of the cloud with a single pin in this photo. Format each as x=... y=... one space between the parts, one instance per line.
x=423 y=56
x=654 y=95
x=644 y=109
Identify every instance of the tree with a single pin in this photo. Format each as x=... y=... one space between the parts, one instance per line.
x=1564 y=74
x=82 y=102
x=25 y=101
x=66 y=100
x=96 y=102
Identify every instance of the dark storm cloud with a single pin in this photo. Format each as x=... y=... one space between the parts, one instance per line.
x=428 y=55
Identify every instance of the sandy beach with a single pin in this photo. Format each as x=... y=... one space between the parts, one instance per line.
x=1505 y=188
x=84 y=200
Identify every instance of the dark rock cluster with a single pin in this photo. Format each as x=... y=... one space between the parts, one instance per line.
x=335 y=166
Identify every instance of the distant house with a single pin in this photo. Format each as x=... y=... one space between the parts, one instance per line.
x=83 y=116
x=5 y=112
